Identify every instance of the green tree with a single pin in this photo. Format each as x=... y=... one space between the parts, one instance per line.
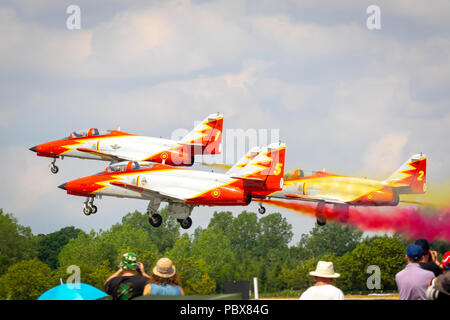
x=221 y=220
x=95 y=276
x=204 y=286
x=16 y=242
x=94 y=248
x=333 y=238
x=440 y=246
x=244 y=233
x=27 y=280
x=51 y=244
x=275 y=233
x=85 y=250
x=163 y=237
x=388 y=253
x=215 y=248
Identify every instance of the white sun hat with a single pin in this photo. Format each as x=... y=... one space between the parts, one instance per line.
x=324 y=269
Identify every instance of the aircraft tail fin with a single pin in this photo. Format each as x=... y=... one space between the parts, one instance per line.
x=411 y=176
x=267 y=167
x=206 y=137
x=244 y=161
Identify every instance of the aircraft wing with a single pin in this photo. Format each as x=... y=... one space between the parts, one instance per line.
x=103 y=155
x=148 y=192
x=313 y=199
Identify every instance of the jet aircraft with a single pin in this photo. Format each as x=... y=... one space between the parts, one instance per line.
x=116 y=146
x=342 y=191
x=256 y=175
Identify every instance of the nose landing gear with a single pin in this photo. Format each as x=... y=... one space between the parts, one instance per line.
x=261 y=209
x=53 y=168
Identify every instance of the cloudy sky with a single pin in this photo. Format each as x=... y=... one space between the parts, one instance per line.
x=346 y=98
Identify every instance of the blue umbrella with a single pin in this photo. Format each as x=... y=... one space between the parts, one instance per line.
x=73 y=291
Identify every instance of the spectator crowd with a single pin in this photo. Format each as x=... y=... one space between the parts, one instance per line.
x=424 y=277
x=131 y=280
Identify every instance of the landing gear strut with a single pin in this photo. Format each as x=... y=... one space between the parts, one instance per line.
x=53 y=168
x=321 y=219
x=89 y=207
x=154 y=218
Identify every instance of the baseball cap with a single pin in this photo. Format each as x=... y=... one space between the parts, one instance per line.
x=446 y=261
x=414 y=252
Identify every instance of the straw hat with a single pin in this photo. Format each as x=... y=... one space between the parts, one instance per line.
x=164 y=268
x=324 y=269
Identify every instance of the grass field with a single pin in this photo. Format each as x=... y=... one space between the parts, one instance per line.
x=348 y=297
x=372 y=297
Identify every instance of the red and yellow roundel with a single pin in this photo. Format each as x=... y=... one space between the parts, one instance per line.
x=164 y=155
x=215 y=193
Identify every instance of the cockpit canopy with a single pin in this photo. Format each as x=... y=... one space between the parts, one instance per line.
x=127 y=166
x=92 y=132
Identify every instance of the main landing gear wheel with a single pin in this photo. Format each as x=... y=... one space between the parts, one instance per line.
x=185 y=223
x=155 y=220
x=87 y=210
x=261 y=210
x=89 y=207
x=321 y=220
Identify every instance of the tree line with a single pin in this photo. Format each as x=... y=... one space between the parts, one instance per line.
x=230 y=248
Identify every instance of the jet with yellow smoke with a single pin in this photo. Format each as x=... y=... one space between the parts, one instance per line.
x=342 y=191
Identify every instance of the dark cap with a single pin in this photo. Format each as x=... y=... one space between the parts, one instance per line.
x=423 y=243
x=414 y=252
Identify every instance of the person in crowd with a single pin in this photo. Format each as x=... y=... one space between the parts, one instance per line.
x=439 y=288
x=412 y=281
x=323 y=289
x=129 y=281
x=429 y=259
x=164 y=280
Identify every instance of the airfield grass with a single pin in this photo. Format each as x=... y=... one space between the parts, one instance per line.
x=347 y=297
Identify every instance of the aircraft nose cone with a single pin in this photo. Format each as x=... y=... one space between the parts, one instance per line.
x=63 y=186
x=33 y=149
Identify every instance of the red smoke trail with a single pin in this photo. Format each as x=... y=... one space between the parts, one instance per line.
x=408 y=221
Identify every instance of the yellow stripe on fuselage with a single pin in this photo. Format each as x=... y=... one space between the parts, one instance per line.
x=346 y=189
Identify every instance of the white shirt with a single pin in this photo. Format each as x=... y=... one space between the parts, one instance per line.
x=325 y=292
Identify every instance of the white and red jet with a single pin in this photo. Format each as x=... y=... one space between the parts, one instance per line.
x=256 y=175
x=115 y=145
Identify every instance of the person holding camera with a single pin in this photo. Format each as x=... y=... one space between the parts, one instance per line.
x=429 y=259
x=129 y=281
x=439 y=287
